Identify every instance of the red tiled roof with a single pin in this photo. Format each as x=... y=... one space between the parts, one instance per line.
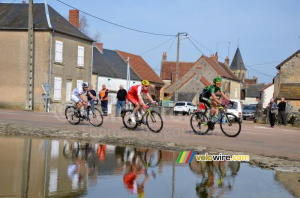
x=169 y=67
x=250 y=81
x=269 y=85
x=140 y=66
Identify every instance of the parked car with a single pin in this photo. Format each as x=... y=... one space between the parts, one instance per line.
x=183 y=107
x=235 y=109
x=249 y=111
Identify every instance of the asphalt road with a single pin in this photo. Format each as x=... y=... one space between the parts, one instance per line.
x=260 y=139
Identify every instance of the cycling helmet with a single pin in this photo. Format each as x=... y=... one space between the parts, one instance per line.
x=145 y=82
x=85 y=84
x=217 y=80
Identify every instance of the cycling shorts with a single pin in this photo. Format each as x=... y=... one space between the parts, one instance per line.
x=205 y=101
x=134 y=99
x=75 y=98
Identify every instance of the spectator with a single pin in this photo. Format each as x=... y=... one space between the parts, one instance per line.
x=104 y=99
x=91 y=96
x=272 y=107
x=121 y=96
x=281 y=112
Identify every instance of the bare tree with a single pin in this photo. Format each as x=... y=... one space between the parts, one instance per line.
x=97 y=36
x=83 y=25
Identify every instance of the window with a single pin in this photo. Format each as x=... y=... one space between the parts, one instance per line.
x=80 y=58
x=79 y=83
x=57 y=88
x=235 y=93
x=58 y=51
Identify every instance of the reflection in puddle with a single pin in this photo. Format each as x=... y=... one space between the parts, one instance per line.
x=61 y=168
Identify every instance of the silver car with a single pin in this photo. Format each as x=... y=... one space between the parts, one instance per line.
x=249 y=111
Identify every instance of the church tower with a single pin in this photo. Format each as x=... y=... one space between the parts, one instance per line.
x=237 y=65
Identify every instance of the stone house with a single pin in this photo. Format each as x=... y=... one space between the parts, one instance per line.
x=61 y=56
x=194 y=77
x=287 y=81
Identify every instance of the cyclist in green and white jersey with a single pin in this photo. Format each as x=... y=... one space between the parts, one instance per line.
x=208 y=96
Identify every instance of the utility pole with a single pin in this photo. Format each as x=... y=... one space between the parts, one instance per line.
x=177 y=68
x=128 y=74
x=30 y=66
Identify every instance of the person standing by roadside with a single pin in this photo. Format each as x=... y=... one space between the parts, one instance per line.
x=272 y=107
x=104 y=99
x=91 y=96
x=121 y=96
x=281 y=112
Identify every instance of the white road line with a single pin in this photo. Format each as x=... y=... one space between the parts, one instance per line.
x=258 y=133
x=261 y=127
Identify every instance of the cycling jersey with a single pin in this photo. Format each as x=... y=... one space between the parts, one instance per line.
x=208 y=91
x=76 y=94
x=134 y=93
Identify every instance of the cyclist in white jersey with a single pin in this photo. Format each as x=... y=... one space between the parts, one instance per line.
x=77 y=96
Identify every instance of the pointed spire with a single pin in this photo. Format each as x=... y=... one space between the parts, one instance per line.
x=237 y=62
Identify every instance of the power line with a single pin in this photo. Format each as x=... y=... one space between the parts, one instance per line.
x=265 y=63
x=145 y=32
x=196 y=46
x=7 y=6
x=158 y=46
x=200 y=44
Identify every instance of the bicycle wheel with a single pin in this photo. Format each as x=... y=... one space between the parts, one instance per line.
x=231 y=126
x=127 y=120
x=152 y=157
x=154 y=121
x=199 y=123
x=71 y=115
x=96 y=118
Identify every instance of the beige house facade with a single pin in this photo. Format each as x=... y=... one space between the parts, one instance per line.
x=61 y=57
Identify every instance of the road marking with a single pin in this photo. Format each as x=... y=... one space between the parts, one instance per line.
x=261 y=127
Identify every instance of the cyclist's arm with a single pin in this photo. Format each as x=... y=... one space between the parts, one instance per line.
x=214 y=97
x=82 y=98
x=141 y=100
x=224 y=96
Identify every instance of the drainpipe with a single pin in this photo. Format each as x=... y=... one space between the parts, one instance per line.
x=50 y=71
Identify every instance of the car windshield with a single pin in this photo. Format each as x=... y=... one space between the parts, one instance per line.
x=253 y=108
x=232 y=106
x=180 y=104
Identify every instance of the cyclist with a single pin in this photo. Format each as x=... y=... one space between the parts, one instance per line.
x=209 y=92
x=77 y=96
x=135 y=97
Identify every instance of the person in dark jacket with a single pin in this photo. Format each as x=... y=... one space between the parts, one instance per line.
x=103 y=95
x=121 y=97
x=272 y=106
x=281 y=112
x=91 y=96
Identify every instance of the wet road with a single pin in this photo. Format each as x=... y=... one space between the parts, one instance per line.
x=260 y=139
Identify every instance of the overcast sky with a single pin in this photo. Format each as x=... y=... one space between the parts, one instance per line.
x=267 y=30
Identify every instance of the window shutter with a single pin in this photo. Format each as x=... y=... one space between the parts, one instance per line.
x=58 y=51
x=79 y=83
x=57 y=88
x=80 y=59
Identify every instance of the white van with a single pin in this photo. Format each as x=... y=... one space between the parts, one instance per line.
x=235 y=109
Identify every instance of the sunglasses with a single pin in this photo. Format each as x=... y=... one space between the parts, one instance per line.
x=146 y=85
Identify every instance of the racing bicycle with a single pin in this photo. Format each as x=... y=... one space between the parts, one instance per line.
x=150 y=118
x=95 y=116
x=229 y=123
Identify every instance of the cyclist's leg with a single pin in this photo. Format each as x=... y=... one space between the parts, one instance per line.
x=213 y=109
x=135 y=101
x=77 y=100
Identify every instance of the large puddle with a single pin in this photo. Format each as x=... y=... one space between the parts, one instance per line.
x=61 y=168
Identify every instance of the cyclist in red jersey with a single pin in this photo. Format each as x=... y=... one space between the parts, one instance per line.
x=135 y=97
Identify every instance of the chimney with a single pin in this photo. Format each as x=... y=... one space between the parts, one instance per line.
x=100 y=47
x=164 y=56
x=74 y=17
x=23 y=1
x=214 y=57
x=226 y=61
